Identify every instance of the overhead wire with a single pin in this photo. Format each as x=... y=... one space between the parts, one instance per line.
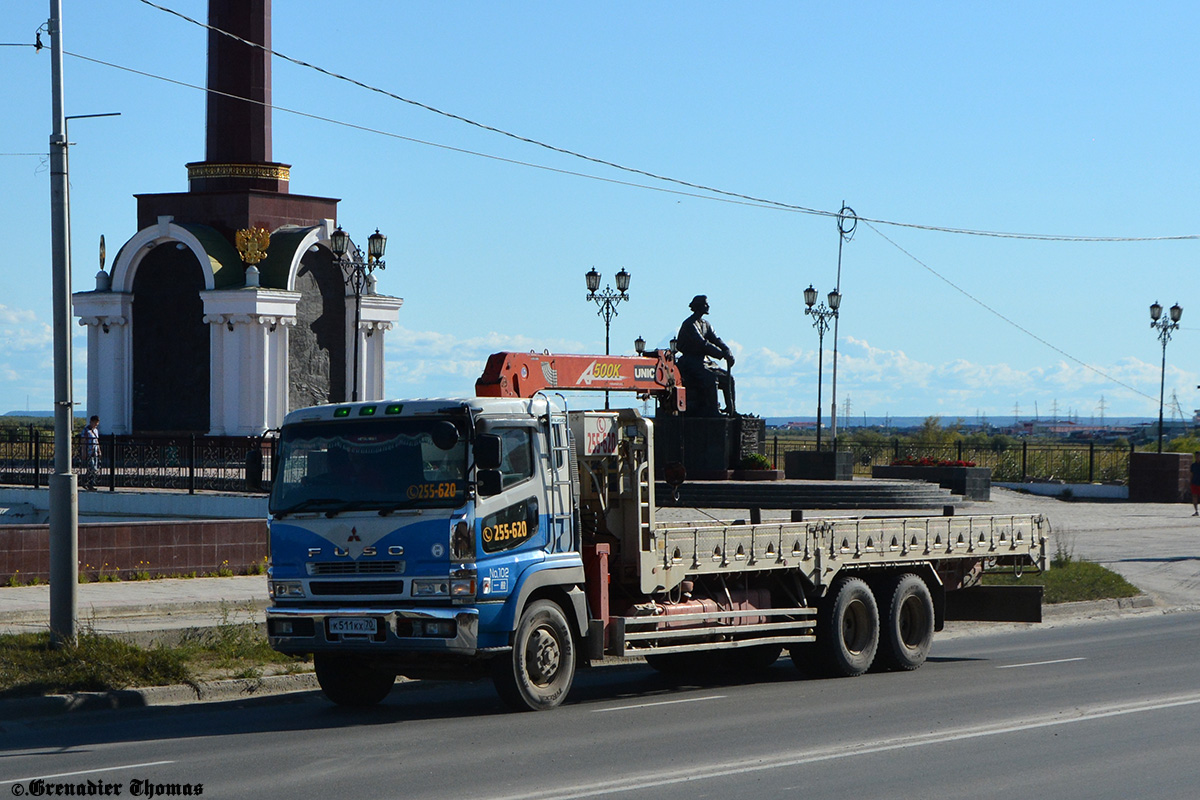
x=750 y=199
x=722 y=195
x=1001 y=316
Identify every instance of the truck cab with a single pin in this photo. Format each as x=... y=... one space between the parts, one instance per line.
x=407 y=537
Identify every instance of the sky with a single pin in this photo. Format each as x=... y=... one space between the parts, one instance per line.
x=1053 y=119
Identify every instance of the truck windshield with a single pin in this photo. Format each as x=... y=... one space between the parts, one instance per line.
x=370 y=464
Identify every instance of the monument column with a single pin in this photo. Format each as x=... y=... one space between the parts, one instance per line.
x=238 y=134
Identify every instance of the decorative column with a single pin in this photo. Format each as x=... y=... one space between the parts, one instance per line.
x=248 y=335
x=107 y=315
x=379 y=313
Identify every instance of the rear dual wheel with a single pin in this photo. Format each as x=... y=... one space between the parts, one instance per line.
x=847 y=629
x=907 y=619
x=855 y=632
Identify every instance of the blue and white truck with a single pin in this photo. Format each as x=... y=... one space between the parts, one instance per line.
x=510 y=537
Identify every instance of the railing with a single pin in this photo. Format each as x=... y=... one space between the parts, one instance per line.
x=183 y=463
x=1073 y=463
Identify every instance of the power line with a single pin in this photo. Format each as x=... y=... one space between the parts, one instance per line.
x=427 y=143
x=750 y=199
x=996 y=313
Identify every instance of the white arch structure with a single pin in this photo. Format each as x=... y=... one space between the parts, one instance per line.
x=248 y=336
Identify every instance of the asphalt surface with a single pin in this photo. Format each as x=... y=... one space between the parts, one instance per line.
x=1154 y=546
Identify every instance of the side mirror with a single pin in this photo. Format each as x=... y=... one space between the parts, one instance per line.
x=489 y=482
x=444 y=435
x=487 y=451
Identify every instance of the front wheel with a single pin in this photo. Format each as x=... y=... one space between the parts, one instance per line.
x=538 y=673
x=350 y=681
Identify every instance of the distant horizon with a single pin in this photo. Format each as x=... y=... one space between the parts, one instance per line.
x=899 y=421
x=905 y=421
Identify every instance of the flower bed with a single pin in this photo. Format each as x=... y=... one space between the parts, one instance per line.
x=930 y=462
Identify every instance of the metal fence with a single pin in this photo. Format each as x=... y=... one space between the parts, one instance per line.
x=241 y=464
x=182 y=463
x=1085 y=462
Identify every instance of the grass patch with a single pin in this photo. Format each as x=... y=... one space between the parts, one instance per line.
x=1071 y=582
x=94 y=663
x=235 y=648
x=1069 y=579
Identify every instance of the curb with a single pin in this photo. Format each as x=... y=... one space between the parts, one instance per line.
x=208 y=692
x=165 y=609
x=1090 y=608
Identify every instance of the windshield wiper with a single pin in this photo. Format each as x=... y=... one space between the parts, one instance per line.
x=305 y=505
x=399 y=504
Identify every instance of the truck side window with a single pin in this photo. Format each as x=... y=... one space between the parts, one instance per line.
x=516 y=463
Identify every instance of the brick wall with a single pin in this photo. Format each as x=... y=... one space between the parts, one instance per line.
x=159 y=548
x=1160 y=477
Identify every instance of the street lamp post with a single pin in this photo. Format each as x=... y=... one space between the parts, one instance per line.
x=357 y=276
x=821 y=316
x=607 y=302
x=1165 y=327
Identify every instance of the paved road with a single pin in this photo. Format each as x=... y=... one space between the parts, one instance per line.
x=1099 y=710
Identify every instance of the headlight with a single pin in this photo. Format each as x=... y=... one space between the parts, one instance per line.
x=282 y=590
x=430 y=588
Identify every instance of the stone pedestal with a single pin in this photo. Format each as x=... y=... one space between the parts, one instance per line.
x=824 y=466
x=710 y=448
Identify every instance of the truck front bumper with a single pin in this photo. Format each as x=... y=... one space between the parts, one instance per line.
x=304 y=629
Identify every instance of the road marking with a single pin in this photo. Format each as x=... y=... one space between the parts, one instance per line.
x=1041 y=663
x=640 y=783
x=87 y=772
x=662 y=703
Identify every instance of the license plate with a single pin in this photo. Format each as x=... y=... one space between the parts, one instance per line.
x=359 y=625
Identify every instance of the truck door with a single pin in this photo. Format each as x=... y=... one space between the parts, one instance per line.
x=512 y=524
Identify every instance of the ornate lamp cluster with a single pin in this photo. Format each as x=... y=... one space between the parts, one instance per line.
x=1165 y=327
x=357 y=277
x=607 y=302
x=822 y=315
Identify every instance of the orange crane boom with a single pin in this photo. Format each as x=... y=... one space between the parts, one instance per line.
x=511 y=374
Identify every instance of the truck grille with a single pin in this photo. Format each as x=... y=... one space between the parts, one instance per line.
x=356 y=568
x=356 y=587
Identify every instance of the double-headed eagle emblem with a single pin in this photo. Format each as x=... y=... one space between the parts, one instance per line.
x=252 y=244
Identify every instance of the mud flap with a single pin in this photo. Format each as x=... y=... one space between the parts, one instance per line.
x=995 y=604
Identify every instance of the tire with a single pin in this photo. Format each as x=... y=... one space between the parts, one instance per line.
x=350 y=681
x=906 y=624
x=539 y=671
x=847 y=629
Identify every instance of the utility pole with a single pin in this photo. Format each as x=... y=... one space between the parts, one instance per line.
x=847 y=222
x=64 y=499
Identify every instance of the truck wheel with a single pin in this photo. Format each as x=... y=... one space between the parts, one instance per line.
x=538 y=673
x=906 y=624
x=847 y=629
x=350 y=681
